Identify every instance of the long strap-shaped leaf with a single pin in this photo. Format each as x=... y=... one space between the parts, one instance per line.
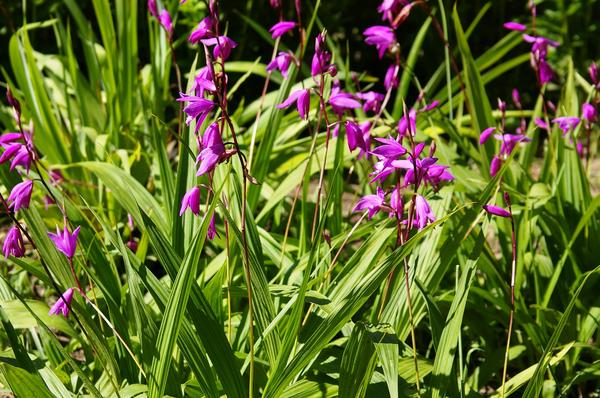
x=535 y=384
x=175 y=311
x=446 y=350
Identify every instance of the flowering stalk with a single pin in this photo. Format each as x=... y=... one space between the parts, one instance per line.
x=512 y=289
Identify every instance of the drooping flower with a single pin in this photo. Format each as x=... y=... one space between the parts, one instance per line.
x=395 y=11
x=20 y=195
x=392 y=78
x=406 y=121
x=212 y=230
x=281 y=28
x=13 y=243
x=165 y=21
x=65 y=241
x=485 y=134
x=281 y=62
x=372 y=203
x=354 y=134
x=496 y=211
x=320 y=61
x=62 y=306
x=566 y=123
x=372 y=101
x=365 y=127
x=197 y=108
x=302 y=100
x=423 y=213
x=223 y=46
x=516 y=98
x=594 y=73
x=515 y=26
x=204 y=30
x=588 y=112
x=191 y=200
x=382 y=37
x=541 y=123
x=396 y=204
x=212 y=150
x=495 y=165
x=152 y=8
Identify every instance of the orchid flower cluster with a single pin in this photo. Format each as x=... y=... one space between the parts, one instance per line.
x=508 y=141
x=401 y=157
x=18 y=147
x=209 y=92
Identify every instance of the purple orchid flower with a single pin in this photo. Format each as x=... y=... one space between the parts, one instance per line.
x=204 y=30
x=485 y=134
x=64 y=241
x=588 y=112
x=62 y=306
x=212 y=230
x=341 y=101
x=320 y=61
x=594 y=73
x=354 y=134
x=191 y=200
x=510 y=141
x=408 y=120
x=423 y=213
x=20 y=195
x=365 y=127
x=152 y=8
x=198 y=108
x=13 y=243
x=223 y=46
x=204 y=81
x=495 y=165
x=165 y=21
x=541 y=123
x=212 y=150
x=496 y=211
x=395 y=11
x=515 y=26
x=302 y=100
x=281 y=62
x=281 y=28
x=392 y=79
x=516 y=98
x=382 y=37
x=566 y=123
x=396 y=204
x=372 y=101
x=373 y=203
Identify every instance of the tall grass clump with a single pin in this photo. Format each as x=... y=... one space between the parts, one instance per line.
x=245 y=199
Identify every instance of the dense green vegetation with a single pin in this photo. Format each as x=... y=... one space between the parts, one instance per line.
x=415 y=213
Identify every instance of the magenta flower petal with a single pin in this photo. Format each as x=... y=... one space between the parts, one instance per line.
x=62 y=306
x=165 y=21
x=191 y=200
x=212 y=150
x=495 y=165
x=382 y=37
x=20 y=195
x=496 y=211
x=64 y=241
x=423 y=213
x=13 y=243
x=281 y=28
x=372 y=203
x=485 y=134
x=515 y=26
x=204 y=30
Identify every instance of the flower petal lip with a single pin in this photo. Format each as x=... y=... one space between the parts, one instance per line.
x=62 y=306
